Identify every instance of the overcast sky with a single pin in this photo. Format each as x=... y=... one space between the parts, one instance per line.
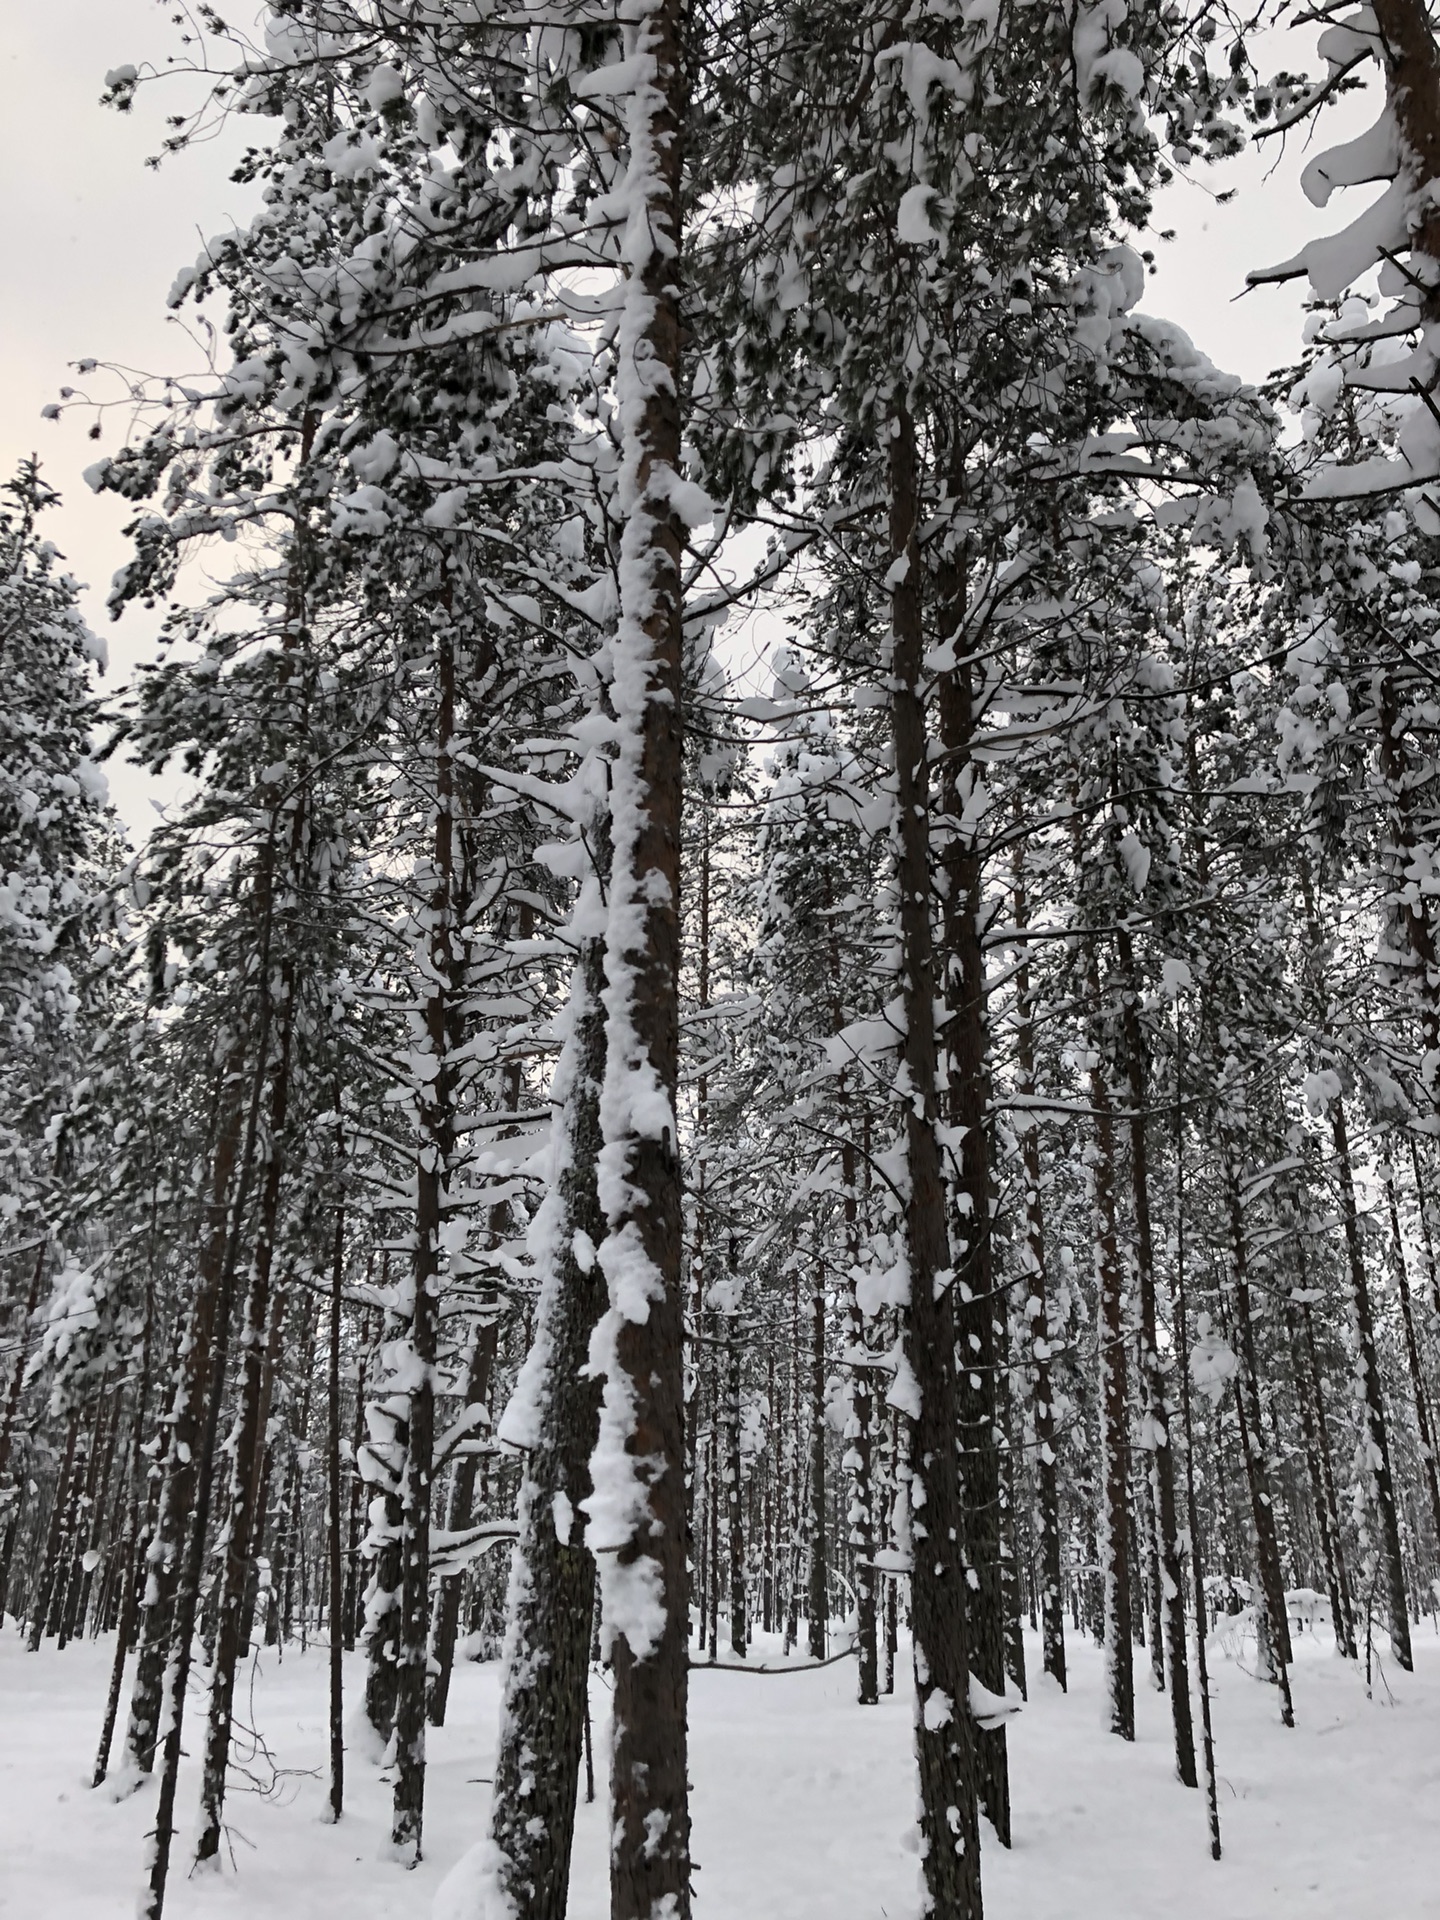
x=91 y=239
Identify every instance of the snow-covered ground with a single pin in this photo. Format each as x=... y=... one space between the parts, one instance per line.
x=803 y=1804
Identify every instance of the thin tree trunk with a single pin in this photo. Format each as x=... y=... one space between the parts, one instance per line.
x=247 y=1443
x=10 y=1497
x=332 y=1514
x=179 y=1486
x=1157 y=1455
x=1378 y=1473
x=1417 y=1372
x=43 y=1588
x=446 y=962
x=459 y=1514
x=860 y=1445
x=817 y=1598
x=1180 y=1316
x=739 y=1637
x=1036 y=1312
x=1326 y=1519
x=1111 y=1344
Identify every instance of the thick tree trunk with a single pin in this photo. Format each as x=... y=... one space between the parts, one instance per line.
x=979 y=1306
x=638 y=1507
x=555 y=1416
x=944 y=1726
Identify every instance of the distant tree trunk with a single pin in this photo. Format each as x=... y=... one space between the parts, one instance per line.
x=1378 y=1473
x=1111 y=1340
x=796 y=1473
x=43 y=1587
x=860 y=1446
x=333 y=1517
x=131 y=1547
x=459 y=1515
x=354 y=1604
x=246 y=1449
x=817 y=1598
x=1250 y=1418
x=179 y=1486
x=10 y=1497
x=734 y=1514
x=191 y=1558
x=1180 y=1321
x=770 y=1467
x=944 y=1726
x=1157 y=1455
x=1327 y=1519
x=1036 y=1312
x=1417 y=1373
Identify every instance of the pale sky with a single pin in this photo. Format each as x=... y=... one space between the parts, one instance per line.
x=93 y=239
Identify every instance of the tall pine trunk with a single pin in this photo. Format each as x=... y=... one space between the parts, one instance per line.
x=638 y=1506
x=555 y=1418
x=944 y=1726
x=444 y=972
x=979 y=1306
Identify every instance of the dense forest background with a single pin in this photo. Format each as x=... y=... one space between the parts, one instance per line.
x=583 y=1136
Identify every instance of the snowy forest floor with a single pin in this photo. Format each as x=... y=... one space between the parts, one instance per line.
x=803 y=1804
